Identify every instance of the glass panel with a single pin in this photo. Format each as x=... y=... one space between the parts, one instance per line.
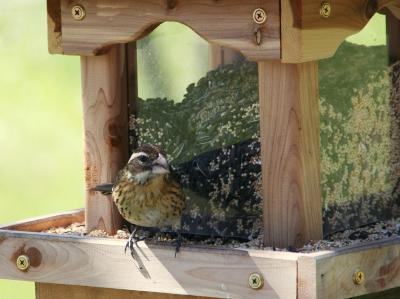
x=359 y=166
x=208 y=124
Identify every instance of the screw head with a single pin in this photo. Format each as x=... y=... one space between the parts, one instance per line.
x=358 y=277
x=256 y=281
x=259 y=16
x=78 y=12
x=23 y=262
x=325 y=9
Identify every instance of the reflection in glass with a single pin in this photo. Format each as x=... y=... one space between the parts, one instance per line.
x=359 y=131
x=208 y=124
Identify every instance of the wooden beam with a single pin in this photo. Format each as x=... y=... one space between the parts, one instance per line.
x=220 y=273
x=74 y=261
x=227 y=23
x=59 y=291
x=218 y=55
x=38 y=224
x=289 y=124
x=105 y=108
x=307 y=36
x=54 y=26
x=329 y=275
x=393 y=37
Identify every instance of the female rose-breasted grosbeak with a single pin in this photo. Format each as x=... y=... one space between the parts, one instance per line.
x=147 y=194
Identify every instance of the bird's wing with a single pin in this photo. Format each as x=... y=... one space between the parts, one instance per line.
x=175 y=175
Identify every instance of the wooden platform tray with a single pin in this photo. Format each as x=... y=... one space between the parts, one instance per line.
x=219 y=273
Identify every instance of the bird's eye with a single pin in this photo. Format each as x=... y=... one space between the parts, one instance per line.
x=143 y=159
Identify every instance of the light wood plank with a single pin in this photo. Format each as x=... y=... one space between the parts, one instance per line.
x=306 y=278
x=38 y=224
x=101 y=263
x=289 y=125
x=307 y=36
x=59 y=291
x=329 y=275
x=54 y=26
x=105 y=110
x=225 y=22
x=199 y=271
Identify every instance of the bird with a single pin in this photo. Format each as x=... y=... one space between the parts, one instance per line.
x=147 y=193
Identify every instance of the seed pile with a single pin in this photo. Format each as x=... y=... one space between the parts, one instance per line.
x=377 y=231
x=78 y=229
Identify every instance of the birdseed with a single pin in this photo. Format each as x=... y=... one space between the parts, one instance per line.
x=376 y=231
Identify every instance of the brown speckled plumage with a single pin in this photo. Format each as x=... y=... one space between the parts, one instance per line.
x=146 y=193
x=158 y=202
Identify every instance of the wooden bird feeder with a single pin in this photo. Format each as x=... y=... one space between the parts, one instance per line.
x=286 y=38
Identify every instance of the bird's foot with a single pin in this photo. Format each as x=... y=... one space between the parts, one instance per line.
x=132 y=242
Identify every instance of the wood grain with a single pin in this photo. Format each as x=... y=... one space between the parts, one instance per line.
x=38 y=224
x=59 y=291
x=289 y=127
x=54 y=26
x=105 y=110
x=331 y=275
x=218 y=55
x=306 y=278
x=225 y=22
x=306 y=36
x=72 y=261
x=102 y=263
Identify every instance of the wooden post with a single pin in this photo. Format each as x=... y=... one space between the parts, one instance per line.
x=105 y=108
x=289 y=121
x=393 y=37
x=218 y=55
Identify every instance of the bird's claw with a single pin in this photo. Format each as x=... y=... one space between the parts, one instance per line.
x=132 y=242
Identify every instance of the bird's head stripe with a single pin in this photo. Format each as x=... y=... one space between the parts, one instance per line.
x=135 y=155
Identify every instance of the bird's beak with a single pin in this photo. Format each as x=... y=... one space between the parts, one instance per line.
x=161 y=162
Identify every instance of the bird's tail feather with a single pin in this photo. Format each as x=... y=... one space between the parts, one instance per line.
x=105 y=189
